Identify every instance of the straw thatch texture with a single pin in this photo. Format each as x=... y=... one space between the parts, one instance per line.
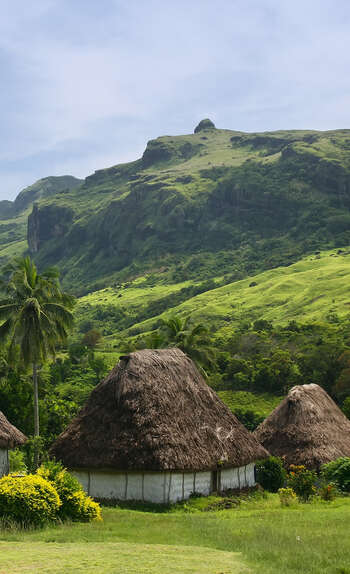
x=154 y=411
x=10 y=437
x=306 y=428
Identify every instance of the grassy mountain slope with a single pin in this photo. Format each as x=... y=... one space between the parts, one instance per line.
x=198 y=206
x=308 y=290
x=188 y=225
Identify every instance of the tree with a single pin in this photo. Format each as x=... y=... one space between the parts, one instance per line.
x=91 y=338
x=36 y=317
x=192 y=339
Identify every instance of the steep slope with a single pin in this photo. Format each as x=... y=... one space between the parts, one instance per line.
x=309 y=290
x=14 y=214
x=211 y=203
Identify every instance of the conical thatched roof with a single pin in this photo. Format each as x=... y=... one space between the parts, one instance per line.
x=10 y=437
x=154 y=411
x=306 y=428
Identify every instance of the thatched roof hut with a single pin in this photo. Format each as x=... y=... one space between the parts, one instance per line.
x=154 y=412
x=306 y=428
x=10 y=436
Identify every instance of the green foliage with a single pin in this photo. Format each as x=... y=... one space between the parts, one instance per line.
x=338 y=472
x=91 y=338
x=287 y=496
x=270 y=473
x=76 y=505
x=302 y=481
x=346 y=407
x=36 y=314
x=28 y=499
x=17 y=461
x=34 y=451
x=192 y=339
x=327 y=491
x=249 y=419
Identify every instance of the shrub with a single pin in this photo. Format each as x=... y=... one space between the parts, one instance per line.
x=76 y=505
x=287 y=496
x=28 y=499
x=302 y=481
x=270 y=473
x=17 y=463
x=328 y=491
x=338 y=472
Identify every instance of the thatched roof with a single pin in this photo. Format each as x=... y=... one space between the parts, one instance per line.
x=306 y=428
x=10 y=437
x=154 y=411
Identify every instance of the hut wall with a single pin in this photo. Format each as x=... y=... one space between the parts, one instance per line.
x=161 y=487
x=4 y=461
x=238 y=477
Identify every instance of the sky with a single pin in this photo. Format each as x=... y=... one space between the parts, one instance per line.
x=86 y=83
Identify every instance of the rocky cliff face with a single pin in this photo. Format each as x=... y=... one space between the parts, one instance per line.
x=47 y=222
x=44 y=188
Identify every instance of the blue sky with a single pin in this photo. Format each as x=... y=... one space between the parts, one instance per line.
x=85 y=83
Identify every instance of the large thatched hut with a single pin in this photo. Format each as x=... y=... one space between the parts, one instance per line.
x=306 y=428
x=10 y=437
x=153 y=430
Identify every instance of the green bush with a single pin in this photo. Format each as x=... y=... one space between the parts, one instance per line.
x=302 y=481
x=17 y=462
x=338 y=472
x=28 y=499
x=270 y=473
x=287 y=496
x=76 y=505
x=328 y=491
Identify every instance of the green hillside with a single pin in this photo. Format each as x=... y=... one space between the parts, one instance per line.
x=198 y=206
x=190 y=225
x=308 y=290
x=224 y=227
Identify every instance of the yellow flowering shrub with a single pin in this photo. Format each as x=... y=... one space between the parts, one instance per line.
x=76 y=505
x=28 y=499
x=287 y=496
x=83 y=508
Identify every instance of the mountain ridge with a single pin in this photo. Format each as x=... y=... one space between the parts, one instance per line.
x=212 y=203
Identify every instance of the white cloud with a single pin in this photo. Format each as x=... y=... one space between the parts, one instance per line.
x=109 y=75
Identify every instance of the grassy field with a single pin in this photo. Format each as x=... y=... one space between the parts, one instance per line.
x=257 y=537
x=262 y=404
x=305 y=291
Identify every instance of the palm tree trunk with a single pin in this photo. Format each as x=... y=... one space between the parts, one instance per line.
x=36 y=415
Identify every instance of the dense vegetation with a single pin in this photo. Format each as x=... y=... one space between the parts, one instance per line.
x=232 y=247
x=220 y=231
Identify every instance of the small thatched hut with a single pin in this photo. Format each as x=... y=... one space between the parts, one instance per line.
x=10 y=437
x=306 y=428
x=153 y=430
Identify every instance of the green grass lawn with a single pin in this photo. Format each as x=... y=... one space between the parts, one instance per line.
x=262 y=404
x=121 y=557
x=258 y=537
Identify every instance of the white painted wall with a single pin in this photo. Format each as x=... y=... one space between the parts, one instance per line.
x=4 y=461
x=161 y=487
x=238 y=477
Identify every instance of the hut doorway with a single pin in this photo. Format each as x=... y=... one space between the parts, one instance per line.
x=215 y=481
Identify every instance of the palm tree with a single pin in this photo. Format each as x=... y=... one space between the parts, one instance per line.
x=36 y=317
x=192 y=339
